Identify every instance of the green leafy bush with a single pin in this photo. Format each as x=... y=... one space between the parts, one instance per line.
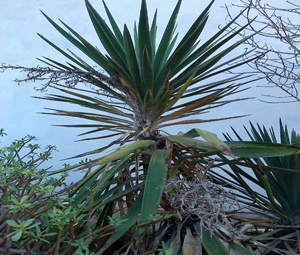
x=37 y=214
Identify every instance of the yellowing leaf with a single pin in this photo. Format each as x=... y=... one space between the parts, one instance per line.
x=189 y=244
x=189 y=107
x=212 y=139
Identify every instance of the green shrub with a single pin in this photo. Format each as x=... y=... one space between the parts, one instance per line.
x=36 y=214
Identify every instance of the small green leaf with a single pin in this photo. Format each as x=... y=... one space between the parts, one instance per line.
x=14 y=200
x=12 y=223
x=23 y=199
x=17 y=236
x=28 y=222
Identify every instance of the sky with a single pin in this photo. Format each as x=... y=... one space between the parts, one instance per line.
x=20 y=45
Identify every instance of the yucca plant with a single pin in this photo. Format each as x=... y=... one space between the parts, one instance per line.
x=281 y=186
x=278 y=177
x=148 y=88
x=149 y=80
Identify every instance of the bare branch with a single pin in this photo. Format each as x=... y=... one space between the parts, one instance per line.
x=281 y=61
x=70 y=78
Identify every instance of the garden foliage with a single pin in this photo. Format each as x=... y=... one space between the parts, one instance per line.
x=130 y=192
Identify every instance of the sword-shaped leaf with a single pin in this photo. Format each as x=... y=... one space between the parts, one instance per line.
x=148 y=99
x=121 y=152
x=189 y=107
x=126 y=80
x=94 y=104
x=69 y=37
x=114 y=25
x=211 y=243
x=160 y=105
x=251 y=150
x=131 y=217
x=57 y=65
x=131 y=59
x=242 y=149
x=143 y=32
x=211 y=138
x=195 y=121
x=87 y=181
x=148 y=75
x=107 y=198
x=64 y=53
x=154 y=185
x=169 y=50
x=204 y=66
x=180 y=92
x=184 y=47
x=101 y=60
x=89 y=116
x=207 y=45
x=165 y=40
x=97 y=56
x=153 y=34
x=137 y=47
x=106 y=36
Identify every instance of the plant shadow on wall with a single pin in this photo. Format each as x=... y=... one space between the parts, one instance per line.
x=135 y=194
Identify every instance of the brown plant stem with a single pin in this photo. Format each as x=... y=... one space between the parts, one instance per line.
x=26 y=242
x=90 y=212
x=124 y=246
x=58 y=242
x=104 y=229
x=72 y=231
x=2 y=216
x=9 y=228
